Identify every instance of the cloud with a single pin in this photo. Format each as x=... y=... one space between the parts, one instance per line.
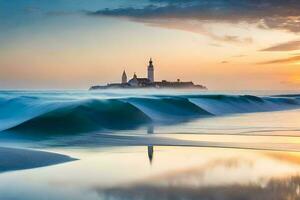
x=290 y=60
x=237 y=39
x=239 y=56
x=287 y=46
x=194 y=26
x=267 y=14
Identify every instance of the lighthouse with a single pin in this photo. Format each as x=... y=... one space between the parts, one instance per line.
x=151 y=71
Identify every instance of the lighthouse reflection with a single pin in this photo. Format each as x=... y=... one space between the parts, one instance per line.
x=150 y=130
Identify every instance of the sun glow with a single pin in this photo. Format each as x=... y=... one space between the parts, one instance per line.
x=295 y=79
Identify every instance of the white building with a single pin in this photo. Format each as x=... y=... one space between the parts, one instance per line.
x=151 y=71
x=136 y=82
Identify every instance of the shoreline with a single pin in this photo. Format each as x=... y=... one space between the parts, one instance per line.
x=12 y=159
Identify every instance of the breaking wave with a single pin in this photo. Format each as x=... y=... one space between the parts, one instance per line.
x=86 y=116
x=57 y=114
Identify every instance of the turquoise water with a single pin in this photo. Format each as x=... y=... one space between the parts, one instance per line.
x=149 y=144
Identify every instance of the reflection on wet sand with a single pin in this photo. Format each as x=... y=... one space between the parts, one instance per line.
x=275 y=189
x=150 y=130
x=177 y=173
x=290 y=157
x=187 y=184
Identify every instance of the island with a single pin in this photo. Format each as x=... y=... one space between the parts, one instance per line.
x=149 y=82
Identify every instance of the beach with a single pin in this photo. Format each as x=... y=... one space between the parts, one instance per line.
x=179 y=146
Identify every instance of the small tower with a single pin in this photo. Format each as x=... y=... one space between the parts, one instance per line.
x=124 y=77
x=134 y=76
x=151 y=71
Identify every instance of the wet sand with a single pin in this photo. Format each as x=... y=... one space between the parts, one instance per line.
x=18 y=159
x=159 y=172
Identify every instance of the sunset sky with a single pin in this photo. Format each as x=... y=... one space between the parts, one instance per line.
x=223 y=44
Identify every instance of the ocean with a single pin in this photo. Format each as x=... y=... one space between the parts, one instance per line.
x=149 y=144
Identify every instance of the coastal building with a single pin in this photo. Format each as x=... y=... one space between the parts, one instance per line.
x=151 y=71
x=149 y=82
x=143 y=82
x=124 y=77
x=138 y=82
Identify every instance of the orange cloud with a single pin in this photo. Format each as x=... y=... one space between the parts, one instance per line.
x=290 y=60
x=287 y=46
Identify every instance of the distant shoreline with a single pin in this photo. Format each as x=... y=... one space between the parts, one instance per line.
x=104 y=87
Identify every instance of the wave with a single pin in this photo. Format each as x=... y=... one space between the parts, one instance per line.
x=230 y=104
x=287 y=95
x=86 y=116
x=57 y=114
x=168 y=109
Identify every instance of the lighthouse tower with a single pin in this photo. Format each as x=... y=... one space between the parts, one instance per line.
x=151 y=71
x=124 y=77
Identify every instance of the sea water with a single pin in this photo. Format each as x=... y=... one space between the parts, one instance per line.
x=150 y=144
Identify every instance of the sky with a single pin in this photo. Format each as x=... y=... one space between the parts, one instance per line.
x=223 y=44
